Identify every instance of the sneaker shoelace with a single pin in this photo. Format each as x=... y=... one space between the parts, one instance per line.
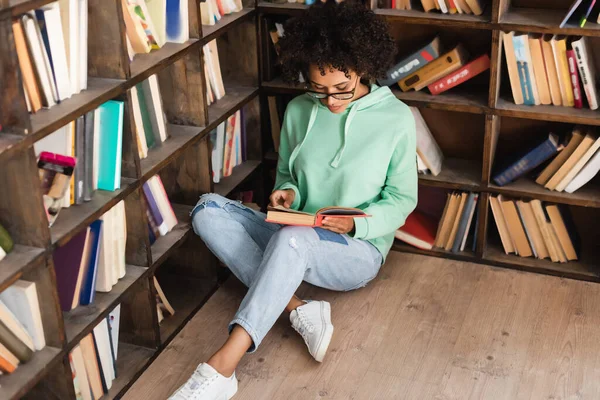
x=305 y=325
x=194 y=386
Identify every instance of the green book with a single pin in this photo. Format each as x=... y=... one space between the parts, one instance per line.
x=5 y=240
x=148 y=132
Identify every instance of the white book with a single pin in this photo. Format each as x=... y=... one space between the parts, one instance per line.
x=22 y=300
x=2 y=254
x=69 y=16
x=523 y=55
x=578 y=166
x=587 y=70
x=114 y=234
x=511 y=62
x=421 y=165
x=157 y=105
x=205 y=13
x=139 y=123
x=586 y=174
x=83 y=44
x=102 y=340
x=443 y=7
x=40 y=59
x=149 y=22
x=162 y=201
x=15 y=326
x=81 y=373
x=56 y=43
x=56 y=142
x=427 y=147
x=114 y=318
x=158 y=12
x=122 y=237
x=104 y=277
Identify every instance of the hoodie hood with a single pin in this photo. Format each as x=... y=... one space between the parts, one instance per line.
x=376 y=95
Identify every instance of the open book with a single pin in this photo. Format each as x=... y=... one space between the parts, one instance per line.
x=286 y=216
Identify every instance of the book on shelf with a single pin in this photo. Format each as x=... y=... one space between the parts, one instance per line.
x=578 y=13
x=559 y=49
x=287 y=216
x=461 y=75
x=413 y=62
x=214 y=87
x=94 y=358
x=228 y=149
x=148 y=114
x=526 y=162
x=162 y=303
x=587 y=70
x=51 y=44
x=418 y=230
x=476 y=7
x=6 y=242
x=22 y=301
x=428 y=150
x=213 y=10
x=533 y=228
x=161 y=217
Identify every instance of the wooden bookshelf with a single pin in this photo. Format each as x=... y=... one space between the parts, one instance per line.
x=470 y=155
x=180 y=71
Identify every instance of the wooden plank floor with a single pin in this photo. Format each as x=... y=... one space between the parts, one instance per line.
x=426 y=328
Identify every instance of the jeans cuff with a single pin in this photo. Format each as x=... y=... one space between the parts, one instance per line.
x=255 y=339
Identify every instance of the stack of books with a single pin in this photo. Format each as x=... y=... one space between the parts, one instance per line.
x=6 y=243
x=91 y=146
x=547 y=69
x=148 y=115
x=161 y=217
x=51 y=44
x=535 y=229
x=576 y=161
x=94 y=359
x=429 y=155
x=228 y=142
x=150 y=24
x=21 y=329
x=435 y=68
x=93 y=260
x=212 y=70
x=213 y=10
x=446 y=6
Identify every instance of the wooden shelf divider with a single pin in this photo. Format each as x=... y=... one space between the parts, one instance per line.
x=239 y=175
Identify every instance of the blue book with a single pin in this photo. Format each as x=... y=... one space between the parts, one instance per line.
x=525 y=68
x=154 y=210
x=528 y=161
x=41 y=20
x=88 y=286
x=110 y=142
x=474 y=248
x=176 y=28
x=464 y=220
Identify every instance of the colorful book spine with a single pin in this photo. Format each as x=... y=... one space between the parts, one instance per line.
x=461 y=75
x=587 y=72
x=521 y=54
x=532 y=159
x=153 y=208
x=412 y=63
x=574 y=79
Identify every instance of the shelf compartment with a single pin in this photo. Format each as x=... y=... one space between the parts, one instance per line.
x=235 y=98
x=80 y=321
x=227 y=22
x=572 y=115
x=71 y=220
x=239 y=175
x=456 y=174
x=186 y=295
x=180 y=137
x=454 y=100
x=587 y=196
x=145 y=65
x=15 y=385
x=463 y=255
x=544 y=21
x=15 y=262
x=131 y=362
x=572 y=269
x=435 y=18
x=285 y=8
x=165 y=245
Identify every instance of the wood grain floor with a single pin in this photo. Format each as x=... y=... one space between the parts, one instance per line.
x=426 y=328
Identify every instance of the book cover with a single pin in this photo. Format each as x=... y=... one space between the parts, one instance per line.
x=88 y=286
x=427 y=147
x=27 y=67
x=418 y=230
x=570 y=162
x=511 y=64
x=111 y=140
x=578 y=165
x=589 y=171
x=539 y=69
x=413 y=62
x=22 y=300
x=14 y=345
x=463 y=223
x=577 y=99
x=562 y=221
x=515 y=228
x=154 y=210
x=532 y=229
x=67 y=262
x=501 y=225
x=148 y=129
x=559 y=48
x=528 y=161
x=574 y=140
x=286 y=216
x=454 y=224
x=587 y=70
x=449 y=62
x=177 y=27
x=525 y=68
x=92 y=367
x=551 y=72
x=472 y=69
x=79 y=172
x=88 y=157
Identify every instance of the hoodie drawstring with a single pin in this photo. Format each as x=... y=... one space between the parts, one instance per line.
x=340 y=153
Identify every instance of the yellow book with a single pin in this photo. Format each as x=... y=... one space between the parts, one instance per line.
x=559 y=48
x=539 y=69
x=511 y=63
x=551 y=70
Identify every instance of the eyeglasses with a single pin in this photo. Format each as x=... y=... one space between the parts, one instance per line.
x=338 y=95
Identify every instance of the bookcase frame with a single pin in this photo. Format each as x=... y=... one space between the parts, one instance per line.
x=183 y=163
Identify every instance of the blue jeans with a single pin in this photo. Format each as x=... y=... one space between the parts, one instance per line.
x=272 y=260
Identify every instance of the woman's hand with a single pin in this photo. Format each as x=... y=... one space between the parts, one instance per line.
x=283 y=198
x=338 y=225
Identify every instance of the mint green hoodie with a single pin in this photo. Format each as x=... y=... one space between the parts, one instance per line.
x=364 y=157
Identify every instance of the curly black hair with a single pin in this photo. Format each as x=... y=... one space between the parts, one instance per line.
x=345 y=36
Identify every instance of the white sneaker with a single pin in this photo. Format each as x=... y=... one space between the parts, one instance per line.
x=313 y=322
x=207 y=384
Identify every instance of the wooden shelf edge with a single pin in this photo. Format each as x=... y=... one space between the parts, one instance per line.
x=461 y=256
x=108 y=301
x=285 y=8
x=16 y=263
x=545 y=195
x=26 y=376
x=164 y=245
x=434 y=18
x=543 y=21
x=245 y=96
x=145 y=65
x=506 y=108
x=239 y=175
x=227 y=22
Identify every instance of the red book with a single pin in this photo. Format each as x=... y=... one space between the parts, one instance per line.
x=461 y=75
x=574 y=78
x=419 y=230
